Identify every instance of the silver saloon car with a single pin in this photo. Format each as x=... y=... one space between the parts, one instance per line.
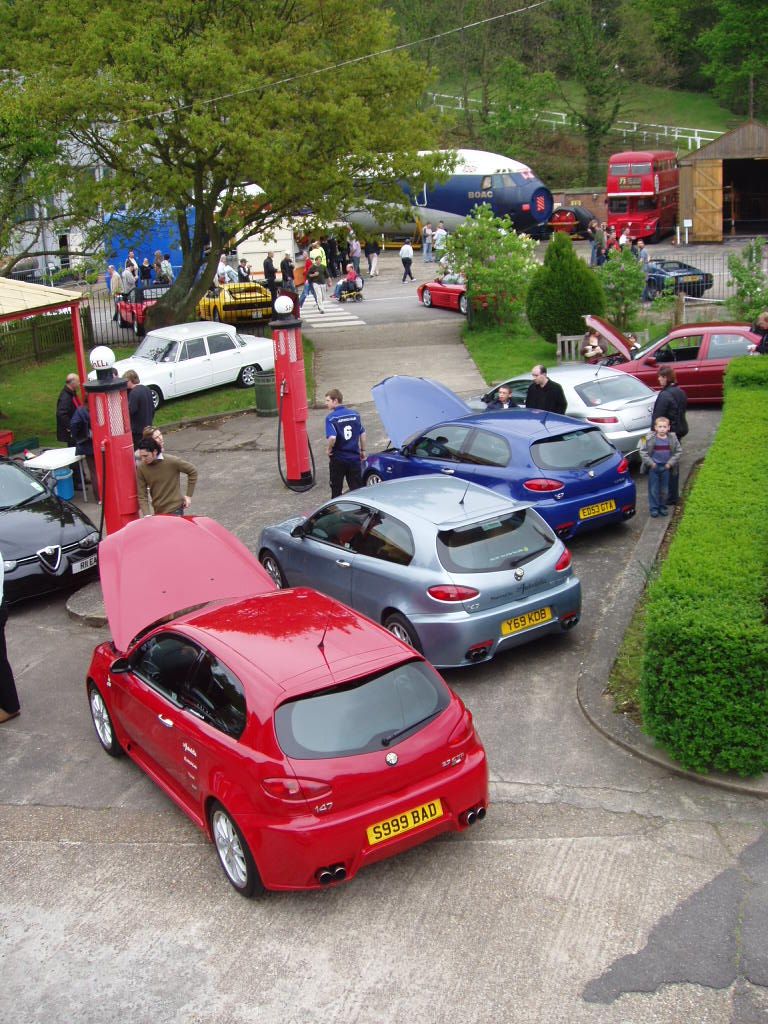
x=454 y=569
x=595 y=394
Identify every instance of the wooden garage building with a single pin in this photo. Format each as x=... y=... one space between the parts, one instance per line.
x=724 y=185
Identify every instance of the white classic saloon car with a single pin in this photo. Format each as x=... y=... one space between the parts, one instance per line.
x=179 y=360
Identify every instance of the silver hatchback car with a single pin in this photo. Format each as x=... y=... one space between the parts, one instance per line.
x=454 y=569
x=621 y=408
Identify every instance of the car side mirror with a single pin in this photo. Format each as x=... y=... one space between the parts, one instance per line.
x=119 y=666
x=298 y=530
x=651 y=361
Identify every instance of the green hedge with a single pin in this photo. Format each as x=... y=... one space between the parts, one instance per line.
x=704 y=685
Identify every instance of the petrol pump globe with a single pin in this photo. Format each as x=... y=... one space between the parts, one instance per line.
x=283 y=305
x=102 y=358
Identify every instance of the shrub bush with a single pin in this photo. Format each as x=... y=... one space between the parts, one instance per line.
x=704 y=685
x=497 y=263
x=562 y=291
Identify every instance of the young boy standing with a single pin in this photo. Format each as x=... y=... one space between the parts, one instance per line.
x=660 y=454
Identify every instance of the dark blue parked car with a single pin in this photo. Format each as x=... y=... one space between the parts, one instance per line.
x=576 y=478
x=675 y=277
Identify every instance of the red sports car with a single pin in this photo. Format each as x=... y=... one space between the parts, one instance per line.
x=132 y=307
x=699 y=354
x=449 y=292
x=304 y=739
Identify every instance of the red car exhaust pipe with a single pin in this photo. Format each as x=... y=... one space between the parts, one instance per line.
x=339 y=872
x=324 y=876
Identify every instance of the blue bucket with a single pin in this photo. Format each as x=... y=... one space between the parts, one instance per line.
x=64 y=487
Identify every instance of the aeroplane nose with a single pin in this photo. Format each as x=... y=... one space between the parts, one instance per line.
x=539 y=205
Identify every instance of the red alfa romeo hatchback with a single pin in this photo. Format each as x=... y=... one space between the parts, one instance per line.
x=304 y=739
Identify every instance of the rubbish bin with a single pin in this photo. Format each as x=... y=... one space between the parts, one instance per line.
x=64 y=487
x=265 y=396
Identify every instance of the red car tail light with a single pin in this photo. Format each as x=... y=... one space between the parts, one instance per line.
x=542 y=483
x=564 y=561
x=623 y=466
x=463 y=731
x=602 y=419
x=446 y=592
x=295 y=790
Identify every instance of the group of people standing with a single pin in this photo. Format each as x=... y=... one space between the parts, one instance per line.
x=433 y=242
x=327 y=259
x=141 y=275
x=662 y=450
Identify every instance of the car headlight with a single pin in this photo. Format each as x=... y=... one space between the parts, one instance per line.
x=9 y=566
x=90 y=540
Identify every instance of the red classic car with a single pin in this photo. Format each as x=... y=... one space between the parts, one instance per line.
x=448 y=292
x=305 y=740
x=699 y=354
x=133 y=305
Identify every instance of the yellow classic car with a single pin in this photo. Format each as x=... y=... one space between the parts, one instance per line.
x=236 y=303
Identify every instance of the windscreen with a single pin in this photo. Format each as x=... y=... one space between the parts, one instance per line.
x=502 y=542
x=370 y=714
x=578 y=449
x=605 y=390
x=153 y=347
x=16 y=487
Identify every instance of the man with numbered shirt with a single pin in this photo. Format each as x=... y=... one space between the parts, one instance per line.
x=345 y=435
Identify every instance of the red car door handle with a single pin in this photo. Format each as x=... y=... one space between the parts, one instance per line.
x=167 y=722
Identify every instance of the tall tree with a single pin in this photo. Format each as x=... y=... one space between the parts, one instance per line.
x=191 y=102
x=30 y=173
x=586 y=38
x=734 y=56
x=513 y=123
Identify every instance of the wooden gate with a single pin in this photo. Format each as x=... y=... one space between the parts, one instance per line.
x=708 y=201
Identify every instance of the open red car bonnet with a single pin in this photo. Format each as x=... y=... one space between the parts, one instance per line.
x=612 y=334
x=409 y=405
x=160 y=565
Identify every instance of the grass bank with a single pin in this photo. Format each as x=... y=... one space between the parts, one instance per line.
x=28 y=395
x=501 y=352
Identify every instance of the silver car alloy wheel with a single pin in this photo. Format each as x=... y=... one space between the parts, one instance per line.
x=400 y=632
x=101 y=719
x=229 y=848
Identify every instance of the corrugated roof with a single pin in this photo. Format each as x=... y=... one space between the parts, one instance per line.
x=21 y=297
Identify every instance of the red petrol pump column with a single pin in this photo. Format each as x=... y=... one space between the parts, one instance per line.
x=291 y=388
x=112 y=442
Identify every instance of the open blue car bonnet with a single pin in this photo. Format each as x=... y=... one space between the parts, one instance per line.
x=410 y=405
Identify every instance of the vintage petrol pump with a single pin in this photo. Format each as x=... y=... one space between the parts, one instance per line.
x=112 y=441
x=291 y=388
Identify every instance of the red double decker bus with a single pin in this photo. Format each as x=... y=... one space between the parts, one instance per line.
x=642 y=193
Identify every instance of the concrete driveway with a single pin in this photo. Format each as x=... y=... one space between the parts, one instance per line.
x=600 y=888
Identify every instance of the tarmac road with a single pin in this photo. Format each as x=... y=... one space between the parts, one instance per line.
x=600 y=888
